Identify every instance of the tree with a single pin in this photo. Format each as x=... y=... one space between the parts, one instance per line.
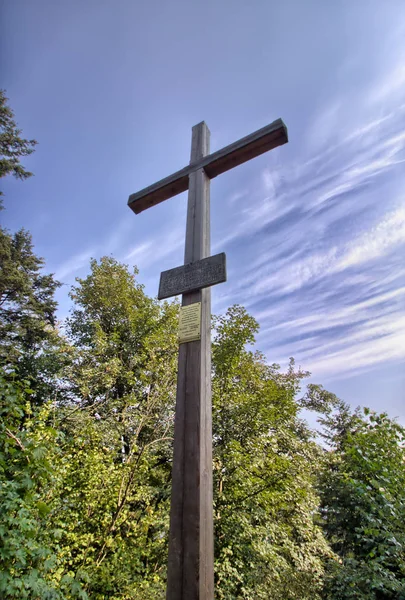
x=267 y=544
x=30 y=561
x=127 y=349
x=119 y=433
x=30 y=344
x=362 y=489
x=107 y=496
x=12 y=145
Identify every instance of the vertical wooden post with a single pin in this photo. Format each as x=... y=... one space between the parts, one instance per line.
x=191 y=545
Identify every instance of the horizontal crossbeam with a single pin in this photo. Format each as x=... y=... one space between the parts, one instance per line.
x=235 y=154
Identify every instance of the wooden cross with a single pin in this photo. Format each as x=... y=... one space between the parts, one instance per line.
x=191 y=541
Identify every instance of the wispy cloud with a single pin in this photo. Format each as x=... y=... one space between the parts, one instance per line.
x=387 y=346
x=74 y=264
x=140 y=252
x=377 y=242
x=323 y=240
x=317 y=252
x=152 y=251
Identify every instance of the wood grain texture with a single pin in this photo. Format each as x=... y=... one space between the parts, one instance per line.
x=191 y=542
x=235 y=154
x=193 y=276
x=249 y=147
x=191 y=546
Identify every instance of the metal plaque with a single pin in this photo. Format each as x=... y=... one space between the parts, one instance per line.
x=190 y=323
x=194 y=276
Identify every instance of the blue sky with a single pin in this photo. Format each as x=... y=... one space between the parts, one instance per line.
x=314 y=231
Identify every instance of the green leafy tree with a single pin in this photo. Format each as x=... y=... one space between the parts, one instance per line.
x=363 y=505
x=119 y=434
x=125 y=368
x=30 y=565
x=30 y=344
x=267 y=544
x=113 y=515
x=12 y=145
x=108 y=490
